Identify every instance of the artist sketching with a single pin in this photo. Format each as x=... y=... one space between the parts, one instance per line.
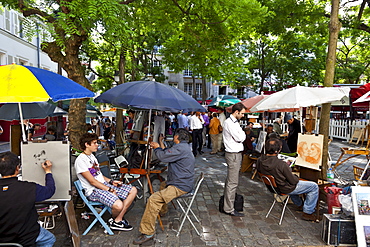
x=286 y=181
x=180 y=180
x=18 y=215
x=99 y=188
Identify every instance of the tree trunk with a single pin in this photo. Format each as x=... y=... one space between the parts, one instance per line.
x=334 y=28
x=204 y=90
x=71 y=63
x=119 y=116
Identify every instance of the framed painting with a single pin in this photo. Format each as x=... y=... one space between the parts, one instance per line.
x=361 y=208
x=309 y=151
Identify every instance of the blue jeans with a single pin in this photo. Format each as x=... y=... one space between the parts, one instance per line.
x=312 y=193
x=45 y=238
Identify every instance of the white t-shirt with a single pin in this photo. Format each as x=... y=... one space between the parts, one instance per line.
x=89 y=163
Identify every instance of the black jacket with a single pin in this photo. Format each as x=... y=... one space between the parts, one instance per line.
x=18 y=215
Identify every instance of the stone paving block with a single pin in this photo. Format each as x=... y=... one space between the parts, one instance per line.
x=223 y=241
x=263 y=242
x=209 y=237
x=237 y=242
x=249 y=241
x=211 y=243
x=244 y=232
x=282 y=235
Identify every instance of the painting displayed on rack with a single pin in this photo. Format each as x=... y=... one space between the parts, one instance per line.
x=361 y=202
x=34 y=154
x=309 y=151
x=261 y=141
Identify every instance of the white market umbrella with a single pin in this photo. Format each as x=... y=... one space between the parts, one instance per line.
x=299 y=96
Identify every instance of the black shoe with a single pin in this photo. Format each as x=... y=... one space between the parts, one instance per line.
x=142 y=239
x=236 y=214
x=120 y=226
x=201 y=152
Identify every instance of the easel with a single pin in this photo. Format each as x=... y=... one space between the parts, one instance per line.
x=144 y=171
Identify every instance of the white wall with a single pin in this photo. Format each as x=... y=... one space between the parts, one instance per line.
x=15 y=49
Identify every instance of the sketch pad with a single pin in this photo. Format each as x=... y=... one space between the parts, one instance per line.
x=34 y=154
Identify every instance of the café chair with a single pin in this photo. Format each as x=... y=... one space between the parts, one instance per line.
x=92 y=205
x=185 y=202
x=279 y=197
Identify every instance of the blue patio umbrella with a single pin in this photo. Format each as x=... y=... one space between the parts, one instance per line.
x=150 y=95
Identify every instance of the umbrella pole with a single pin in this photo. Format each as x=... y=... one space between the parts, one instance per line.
x=21 y=116
x=301 y=118
x=147 y=153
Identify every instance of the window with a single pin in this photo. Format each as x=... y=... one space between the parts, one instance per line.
x=22 y=61
x=188 y=88
x=175 y=85
x=10 y=59
x=157 y=63
x=15 y=24
x=21 y=27
x=2 y=58
x=7 y=20
x=188 y=72
x=198 y=89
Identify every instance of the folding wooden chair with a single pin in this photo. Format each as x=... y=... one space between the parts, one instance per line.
x=270 y=183
x=185 y=202
x=92 y=205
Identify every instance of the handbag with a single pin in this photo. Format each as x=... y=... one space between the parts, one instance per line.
x=238 y=203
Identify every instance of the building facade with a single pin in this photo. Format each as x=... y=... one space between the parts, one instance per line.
x=19 y=48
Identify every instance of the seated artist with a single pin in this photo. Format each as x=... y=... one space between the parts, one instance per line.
x=180 y=180
x=99 y=188
x=18 y=215
x=51 y=133
x=286 y=181
x=249 y=142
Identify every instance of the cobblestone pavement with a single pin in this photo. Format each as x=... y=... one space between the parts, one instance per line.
x=219 y=229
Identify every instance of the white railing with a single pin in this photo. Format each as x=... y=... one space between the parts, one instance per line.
x=341 y=129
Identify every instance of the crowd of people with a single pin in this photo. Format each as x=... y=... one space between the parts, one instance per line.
x=191 y=132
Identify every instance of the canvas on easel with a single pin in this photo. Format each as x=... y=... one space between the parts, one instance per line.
x=34 y=154
x=309 y=151
x=261 y=141
x=361 y=208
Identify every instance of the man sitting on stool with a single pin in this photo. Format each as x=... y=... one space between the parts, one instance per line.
x=180 y=180
x=286 y=181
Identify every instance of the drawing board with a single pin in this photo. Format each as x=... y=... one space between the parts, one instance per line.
x=34 y=154
x=361 y=208
x=309 y=151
